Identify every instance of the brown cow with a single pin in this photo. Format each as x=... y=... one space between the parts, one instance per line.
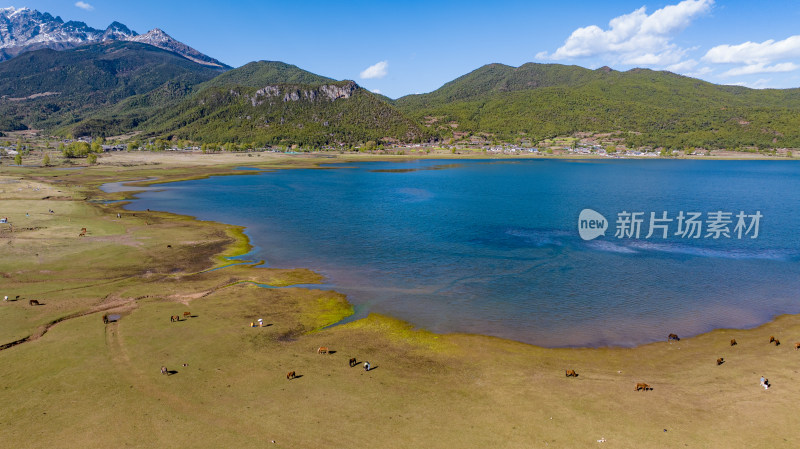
x=796 y=346
x=105 y=319
x=174 y=318
x=777 y=342
x=733 y=342
x=771 y=338
x=322 y=350
x=643 y=386
x=720 y=361
x=291 y=375
x=187 y=315
x=354 y=362
x=571 y=373
x=83 y=232
x=34 y=302
x=673 y=337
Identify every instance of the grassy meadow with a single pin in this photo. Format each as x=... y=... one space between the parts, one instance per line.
x=71 y=381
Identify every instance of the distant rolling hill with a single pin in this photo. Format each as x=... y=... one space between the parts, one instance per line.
x=659 y=108
x=277 y=103
x=120 y=86
x=262 y=73
x=116 y=87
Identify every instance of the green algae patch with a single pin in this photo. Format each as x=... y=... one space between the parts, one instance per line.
x=402 y=332
x=278 y=277
x=235 y=273
x=239 y=246
x=328 y=307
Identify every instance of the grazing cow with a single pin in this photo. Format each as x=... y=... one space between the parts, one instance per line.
x=571 y=373
x=169 y=246
x=673 y=337
x=354 y=362
x=796 y=346
x=83 y=232
x=174 y=318
x=187 y=315
x=720 y=361
x=643 y=386
x=34 y=302
x=771 y=338
x=322 y=350
x=164 y=370
x=733 y=342
x=291 y=375
x=105 y=319
x=777 y=342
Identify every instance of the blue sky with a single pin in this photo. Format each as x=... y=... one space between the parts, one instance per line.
x=415 y=46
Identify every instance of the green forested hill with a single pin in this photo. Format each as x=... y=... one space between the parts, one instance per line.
x=110 y=89
x=498 y=78
x=658 y=108
x=263 y=73
x=138 y=111
x=283 y=113
x=52 y=89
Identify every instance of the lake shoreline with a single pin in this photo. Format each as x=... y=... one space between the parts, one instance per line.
x=152 y=184
x=228 y=384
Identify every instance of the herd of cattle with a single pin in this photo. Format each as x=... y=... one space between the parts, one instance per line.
x=324 y=350
x=175 y=318
x=641 y=386
x=353 y=362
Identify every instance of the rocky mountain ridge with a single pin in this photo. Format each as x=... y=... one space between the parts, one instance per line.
x=25 y=29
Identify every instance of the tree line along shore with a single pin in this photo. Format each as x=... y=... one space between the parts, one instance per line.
x=31 y=148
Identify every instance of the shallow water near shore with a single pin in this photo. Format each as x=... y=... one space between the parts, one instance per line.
x=493 y=247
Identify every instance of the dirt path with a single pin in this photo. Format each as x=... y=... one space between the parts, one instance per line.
x=43 y=329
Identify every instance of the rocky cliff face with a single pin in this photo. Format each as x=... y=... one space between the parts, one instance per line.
x=26 y=29
x=325 y=92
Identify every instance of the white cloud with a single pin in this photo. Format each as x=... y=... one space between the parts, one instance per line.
x=377 y=91
x=683 y=66
x=752 y=52
x=763 y=83
x=85 y=6
x=376 y=71
x=635 y=38
x=752 y=58
x=699 y=73
x=690 y=68
x=751 y=69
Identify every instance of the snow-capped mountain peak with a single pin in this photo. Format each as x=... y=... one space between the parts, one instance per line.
x=25 y=29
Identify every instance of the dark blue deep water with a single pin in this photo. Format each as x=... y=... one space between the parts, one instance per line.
x=492 y=247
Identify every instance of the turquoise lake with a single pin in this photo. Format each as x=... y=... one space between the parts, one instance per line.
x=493 y=247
